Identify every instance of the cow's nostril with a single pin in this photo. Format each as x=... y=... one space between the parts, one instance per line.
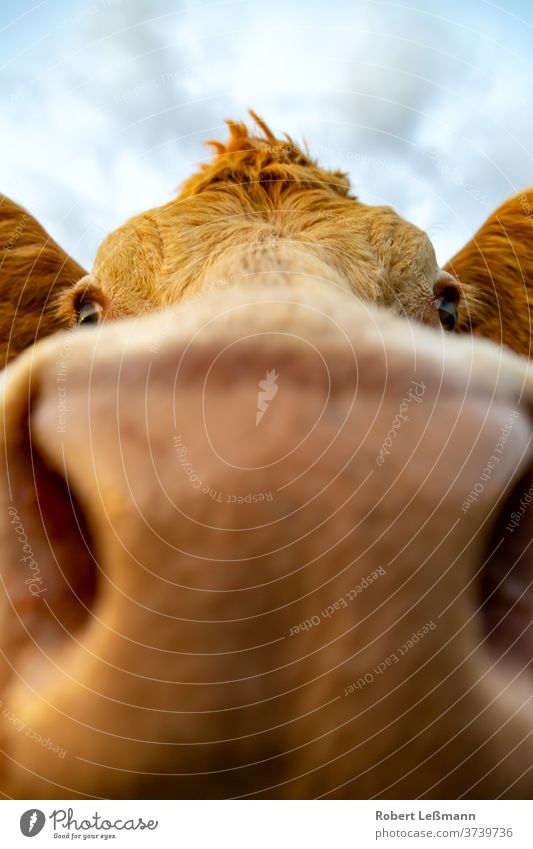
x=49 y=570
x=506 y=581
x=71 y=545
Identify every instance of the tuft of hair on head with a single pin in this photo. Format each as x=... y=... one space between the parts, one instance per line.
x=257 y=156
x=240 y=139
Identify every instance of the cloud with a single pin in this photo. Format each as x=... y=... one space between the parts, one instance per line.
x=107 y=103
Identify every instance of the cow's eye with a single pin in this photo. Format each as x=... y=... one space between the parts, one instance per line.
x=89 y=312
x=447 y=311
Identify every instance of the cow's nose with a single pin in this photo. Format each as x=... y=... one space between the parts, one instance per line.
x=247 y=520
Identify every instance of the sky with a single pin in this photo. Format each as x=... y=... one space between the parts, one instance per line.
x=105 y=104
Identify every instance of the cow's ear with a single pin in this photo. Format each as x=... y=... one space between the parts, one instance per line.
x=33 y=271
x=495 y=272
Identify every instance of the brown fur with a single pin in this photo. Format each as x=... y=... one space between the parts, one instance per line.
x=33 y=270
x=495 y=270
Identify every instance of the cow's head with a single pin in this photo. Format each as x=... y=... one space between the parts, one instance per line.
x=265 y=541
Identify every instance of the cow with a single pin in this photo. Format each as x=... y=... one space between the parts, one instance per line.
x=263 y=533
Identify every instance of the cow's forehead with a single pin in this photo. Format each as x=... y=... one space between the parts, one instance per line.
x=258 y=192
x=247 y=173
